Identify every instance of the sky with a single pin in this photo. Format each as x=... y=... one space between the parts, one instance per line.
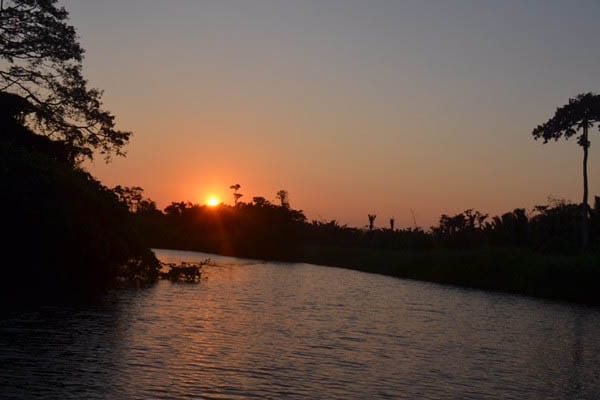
x=404 y=109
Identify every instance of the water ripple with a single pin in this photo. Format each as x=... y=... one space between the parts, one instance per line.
x=274 y=331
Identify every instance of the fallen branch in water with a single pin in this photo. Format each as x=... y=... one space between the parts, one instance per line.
x=184 y=272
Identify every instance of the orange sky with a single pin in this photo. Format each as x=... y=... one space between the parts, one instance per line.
x=353 y=108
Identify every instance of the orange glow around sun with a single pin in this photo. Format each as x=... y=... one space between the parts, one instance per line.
x=213 y=201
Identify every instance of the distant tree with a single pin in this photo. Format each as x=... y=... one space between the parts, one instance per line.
x=147 y=207
x=461 y=230
x=178 y=209
x=129 y=196
x=556 y=226
x=371 y=221
x=511 y=227
x=284 y=198
x=41 y=60
x=133 y=199
x=475 y=219
x=260 y=201
x=392 y=223
x=236 y=196
x=580 y=114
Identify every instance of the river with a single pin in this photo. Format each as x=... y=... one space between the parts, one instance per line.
x=251 y=329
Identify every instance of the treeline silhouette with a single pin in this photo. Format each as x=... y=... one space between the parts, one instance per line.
x=262 y=229
x=258 y=229
x=553 y=227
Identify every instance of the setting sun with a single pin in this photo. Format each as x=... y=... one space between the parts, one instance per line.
x=213 y=201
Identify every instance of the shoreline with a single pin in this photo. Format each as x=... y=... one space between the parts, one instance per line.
x=571 y=278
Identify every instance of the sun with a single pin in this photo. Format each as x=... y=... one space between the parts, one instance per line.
x=213 y=201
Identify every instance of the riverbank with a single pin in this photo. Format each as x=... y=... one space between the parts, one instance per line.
x=572 y=278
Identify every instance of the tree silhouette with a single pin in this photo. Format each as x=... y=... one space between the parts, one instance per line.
x=392 y=223
x=371 y=220
x=133 y=199
x=578 y=115
x=260 y=201
x=236 y=196
x=14 y=110
x=284 y=198
x=41 y=60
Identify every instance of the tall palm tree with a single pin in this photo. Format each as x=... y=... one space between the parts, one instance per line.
x=577 y=116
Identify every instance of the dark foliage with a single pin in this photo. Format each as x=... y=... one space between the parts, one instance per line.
x=184 y=272
x=581 y=111
x=461 y=230
x=330 y=233
x=258 y=229
x=554 y=227
x=64 y=233
x=13 y=111
x=263 y=230
x=41 y=60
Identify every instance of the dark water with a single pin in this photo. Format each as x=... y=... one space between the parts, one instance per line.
x=254 y=330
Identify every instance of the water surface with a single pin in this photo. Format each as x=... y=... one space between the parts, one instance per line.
x=298 y=331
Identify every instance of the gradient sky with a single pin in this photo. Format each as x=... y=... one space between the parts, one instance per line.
x=354 y=107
